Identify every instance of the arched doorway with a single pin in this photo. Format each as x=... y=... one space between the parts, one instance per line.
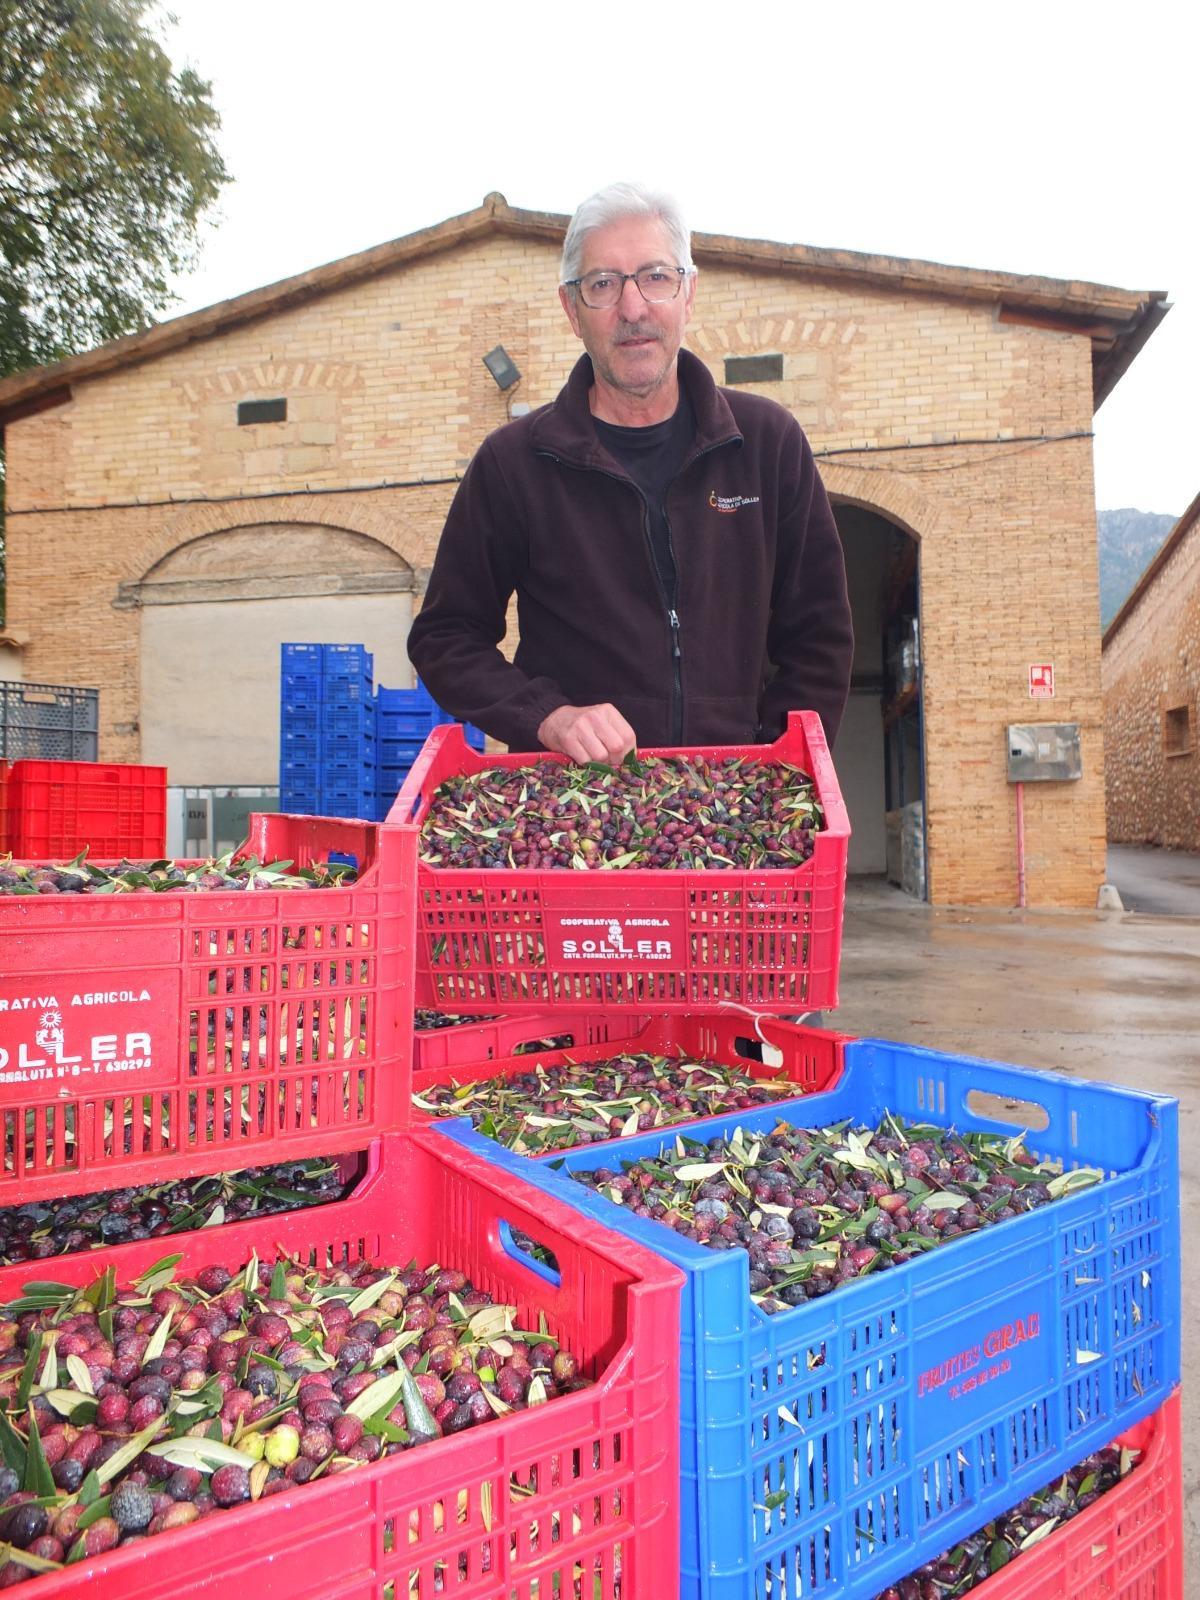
x=213 y=615
x=881 y=747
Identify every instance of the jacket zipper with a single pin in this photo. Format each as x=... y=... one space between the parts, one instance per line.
x=672 y=617
x=677 y=696
x=676 y=652
x=672 y=613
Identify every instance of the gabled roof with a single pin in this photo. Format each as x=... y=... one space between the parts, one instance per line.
x=1171 y=543
x=1118 y=321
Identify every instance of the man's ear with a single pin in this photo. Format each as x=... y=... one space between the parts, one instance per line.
x=567 y=299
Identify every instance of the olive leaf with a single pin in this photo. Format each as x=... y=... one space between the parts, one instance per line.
x=206 y=1455
x=128 y=1453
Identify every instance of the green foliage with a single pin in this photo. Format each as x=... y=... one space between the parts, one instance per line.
x=107 y=165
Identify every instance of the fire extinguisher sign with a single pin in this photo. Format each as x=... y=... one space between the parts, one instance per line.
x=1041 y=681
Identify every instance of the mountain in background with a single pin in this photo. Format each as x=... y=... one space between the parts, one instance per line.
x=1129 y=540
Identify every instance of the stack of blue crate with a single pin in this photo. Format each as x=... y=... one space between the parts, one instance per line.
x=348 y=732
x=301 y=691
x=404 y=719
x=327 y=731
x=345 y=749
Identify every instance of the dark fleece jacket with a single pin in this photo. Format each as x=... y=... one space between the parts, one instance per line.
x=763 y=621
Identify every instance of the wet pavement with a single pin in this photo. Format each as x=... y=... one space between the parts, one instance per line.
x=1165 y=882
x=1108 y=995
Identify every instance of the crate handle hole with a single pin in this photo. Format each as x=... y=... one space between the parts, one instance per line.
x=1014 y=1113
x=759 y=1050
x=539 y=1258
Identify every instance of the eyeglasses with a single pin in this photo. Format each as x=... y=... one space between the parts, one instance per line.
x=601 y=290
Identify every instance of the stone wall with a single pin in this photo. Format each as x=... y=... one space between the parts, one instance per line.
x=1151 y=680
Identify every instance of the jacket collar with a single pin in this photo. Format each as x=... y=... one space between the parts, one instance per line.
x=565 y=428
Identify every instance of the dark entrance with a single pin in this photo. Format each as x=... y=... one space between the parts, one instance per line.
x=880 y=753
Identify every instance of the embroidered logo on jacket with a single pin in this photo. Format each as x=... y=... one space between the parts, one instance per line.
x=731 y=502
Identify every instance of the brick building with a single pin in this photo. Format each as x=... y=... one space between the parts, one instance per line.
x=1150 y=671
x=165 y=533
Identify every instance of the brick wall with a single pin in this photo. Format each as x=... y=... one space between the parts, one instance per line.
x=1151 y=666
x=385 y=382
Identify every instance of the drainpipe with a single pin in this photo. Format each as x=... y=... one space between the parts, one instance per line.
x=1020 y=787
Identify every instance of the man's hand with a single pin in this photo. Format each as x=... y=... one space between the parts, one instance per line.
x=588 y=733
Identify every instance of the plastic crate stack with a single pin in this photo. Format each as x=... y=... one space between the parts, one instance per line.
x=404 y=720
x=345 y=746
x=327 y=731
x=153 y=1038
x=839 y=1448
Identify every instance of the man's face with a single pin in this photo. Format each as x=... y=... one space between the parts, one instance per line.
x=634 y=344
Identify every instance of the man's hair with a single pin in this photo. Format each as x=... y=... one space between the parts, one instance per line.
x=613 y=204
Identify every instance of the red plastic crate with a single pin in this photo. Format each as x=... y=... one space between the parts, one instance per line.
x=56 y=808
x=146 y=1036
x=467 y=1043
x=810 y=1058
x=521 y=939
x=1128 y=1545
x=453 y=1517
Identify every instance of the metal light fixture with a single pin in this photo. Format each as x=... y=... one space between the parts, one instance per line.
x=502 y=367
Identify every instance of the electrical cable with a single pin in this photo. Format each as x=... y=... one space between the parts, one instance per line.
x=1027 y=442
x=233 y=499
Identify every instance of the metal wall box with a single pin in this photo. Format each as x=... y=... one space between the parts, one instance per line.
x=1044 y=751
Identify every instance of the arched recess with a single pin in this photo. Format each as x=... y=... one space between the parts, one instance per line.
x=214 y=612
x=881 y=745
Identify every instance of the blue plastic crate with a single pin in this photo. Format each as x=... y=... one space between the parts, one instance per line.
x=829 y=1450
x=299 y=802
x=410 y=716
x=299 y=772
x=305 y=658
x=300 y=720
x=347 y=724
x=406 y=714
x=299 y=745
x=349 y=803
x=399 y=753
x=412 y=727
x=347 y=772
x=301 y=672
x=300 y=689
x=403 y=752
x=347 y=693
x=347 y=661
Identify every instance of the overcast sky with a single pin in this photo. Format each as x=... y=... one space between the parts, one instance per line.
x=1055 y=139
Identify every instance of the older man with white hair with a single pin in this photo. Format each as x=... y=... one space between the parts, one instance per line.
x=678 y=572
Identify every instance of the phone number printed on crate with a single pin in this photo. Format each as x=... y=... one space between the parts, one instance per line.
x=1012 y=1356
x=53 y=1040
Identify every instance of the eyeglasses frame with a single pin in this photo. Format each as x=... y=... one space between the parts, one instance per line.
x=626 y=277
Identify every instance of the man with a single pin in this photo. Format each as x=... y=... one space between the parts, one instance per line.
x=678 y=573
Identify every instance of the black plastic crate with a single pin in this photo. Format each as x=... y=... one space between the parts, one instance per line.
x=47 y=722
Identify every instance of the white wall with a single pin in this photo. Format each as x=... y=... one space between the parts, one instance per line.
x=210 y=675
x=11 y=669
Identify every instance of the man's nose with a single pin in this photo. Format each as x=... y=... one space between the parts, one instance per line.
x=631 y=302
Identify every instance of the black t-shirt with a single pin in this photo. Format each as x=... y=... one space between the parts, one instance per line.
x=652 y=456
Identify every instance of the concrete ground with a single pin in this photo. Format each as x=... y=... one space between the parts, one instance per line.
x=1108 y=995
x=1166 y=882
